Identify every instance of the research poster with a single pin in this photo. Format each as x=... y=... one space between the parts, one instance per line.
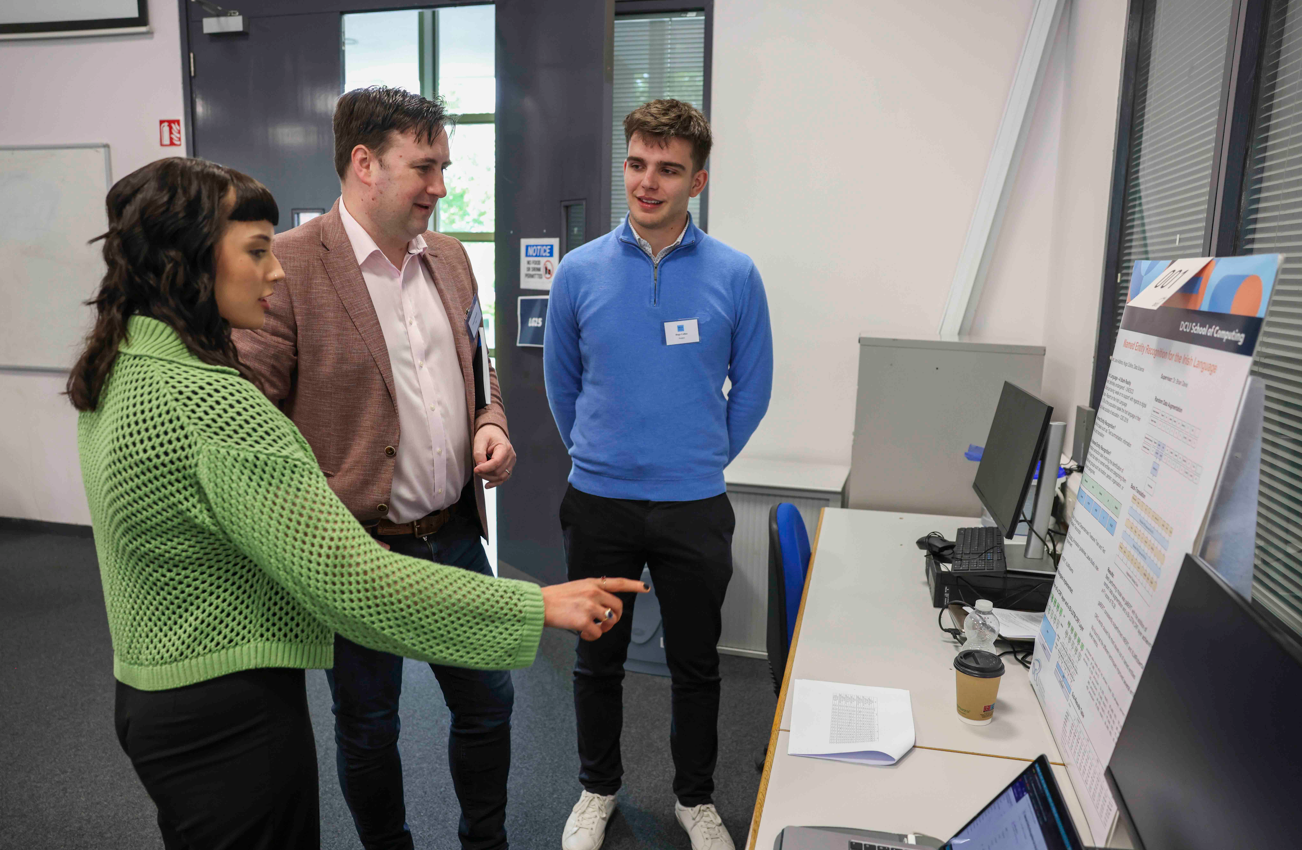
x=1178 y=371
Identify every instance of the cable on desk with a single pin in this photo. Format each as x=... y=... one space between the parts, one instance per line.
x=1022 y=657
x=955 y=633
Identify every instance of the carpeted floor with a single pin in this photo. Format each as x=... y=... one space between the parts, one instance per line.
x=64 y=783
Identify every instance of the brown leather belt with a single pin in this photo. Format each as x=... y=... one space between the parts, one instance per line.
x=423 y=527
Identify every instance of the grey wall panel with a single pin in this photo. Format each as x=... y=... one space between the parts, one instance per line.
x=920 y=404
x=553 y=145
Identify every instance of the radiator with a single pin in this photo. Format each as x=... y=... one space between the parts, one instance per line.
x=754 y=487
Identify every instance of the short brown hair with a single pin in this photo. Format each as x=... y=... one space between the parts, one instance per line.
x=371 y=115
x=662 y=120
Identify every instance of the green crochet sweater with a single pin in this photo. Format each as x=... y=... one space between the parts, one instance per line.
x=222 y=548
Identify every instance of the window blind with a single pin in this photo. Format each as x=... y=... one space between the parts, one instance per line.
x=1272 y=222
x=656 y=56
x=1178 y=83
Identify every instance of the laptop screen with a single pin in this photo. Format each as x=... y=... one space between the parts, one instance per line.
x=1028 y=815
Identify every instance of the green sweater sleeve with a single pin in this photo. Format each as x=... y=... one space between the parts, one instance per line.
x=280 y=512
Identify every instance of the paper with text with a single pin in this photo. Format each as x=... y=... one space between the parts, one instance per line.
x=854 y=723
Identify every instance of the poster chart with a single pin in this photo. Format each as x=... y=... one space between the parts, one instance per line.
x=1178 y=371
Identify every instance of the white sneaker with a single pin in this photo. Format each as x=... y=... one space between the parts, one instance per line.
x=586 y=827
x=704 y=826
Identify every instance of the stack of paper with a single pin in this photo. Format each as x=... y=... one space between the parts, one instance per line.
x=854 y=723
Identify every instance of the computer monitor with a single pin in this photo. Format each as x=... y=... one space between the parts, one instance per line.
x=1013 y=448
x=1208 y=756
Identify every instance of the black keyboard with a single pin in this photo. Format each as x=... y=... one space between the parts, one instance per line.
x=979 y=549
x=868 y=845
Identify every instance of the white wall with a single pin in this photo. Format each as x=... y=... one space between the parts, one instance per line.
x=1046 y=276
x=850 y=143
x=112 y=89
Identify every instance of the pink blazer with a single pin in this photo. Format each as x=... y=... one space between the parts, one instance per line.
x=322 y=358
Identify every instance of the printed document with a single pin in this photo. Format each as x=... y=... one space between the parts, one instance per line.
x=854 y=723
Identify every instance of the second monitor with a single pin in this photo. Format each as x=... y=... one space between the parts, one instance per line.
x=1021 y=436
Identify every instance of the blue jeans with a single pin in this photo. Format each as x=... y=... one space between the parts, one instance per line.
x=366 y=685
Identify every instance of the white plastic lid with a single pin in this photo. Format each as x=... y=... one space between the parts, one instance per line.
x=984 y=606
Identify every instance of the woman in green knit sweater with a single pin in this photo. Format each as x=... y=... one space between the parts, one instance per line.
x=227 y=562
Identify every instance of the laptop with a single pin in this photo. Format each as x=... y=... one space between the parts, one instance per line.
x=1027 y=815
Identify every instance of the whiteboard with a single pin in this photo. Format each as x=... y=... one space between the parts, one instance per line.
x=51 y=206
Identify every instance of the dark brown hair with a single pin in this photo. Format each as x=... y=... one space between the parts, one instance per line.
x=165 y=221
x=661 y=120
x=371 y=116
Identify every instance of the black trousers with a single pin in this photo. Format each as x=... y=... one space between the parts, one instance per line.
x=230 y=762
x=688 y=548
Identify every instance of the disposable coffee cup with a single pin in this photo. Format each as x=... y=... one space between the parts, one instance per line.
x=977 y=675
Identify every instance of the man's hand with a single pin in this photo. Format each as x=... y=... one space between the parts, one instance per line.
x=494 y=457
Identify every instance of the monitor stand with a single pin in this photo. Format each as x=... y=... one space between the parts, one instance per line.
x=1033 y=557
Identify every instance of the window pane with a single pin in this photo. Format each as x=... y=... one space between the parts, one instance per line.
x=382 y=49
x=1178 y=84
x=470 y=201
x=482 y=261
x=466 y=55
x=1272 y=222
x=656 y=56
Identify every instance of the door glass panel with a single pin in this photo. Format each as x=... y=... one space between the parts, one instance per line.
x=466 y=59
x=382 y=49
x=468 y=208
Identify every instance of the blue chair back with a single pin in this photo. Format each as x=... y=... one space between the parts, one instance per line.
x=794 y=540
x=788 y=562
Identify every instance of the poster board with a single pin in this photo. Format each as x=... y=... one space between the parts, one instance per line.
x=51 y=206
x=1178 y=374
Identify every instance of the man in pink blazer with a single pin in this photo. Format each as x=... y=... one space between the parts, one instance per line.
x=371 y=347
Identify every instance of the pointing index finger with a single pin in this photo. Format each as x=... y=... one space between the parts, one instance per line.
x=624 y=585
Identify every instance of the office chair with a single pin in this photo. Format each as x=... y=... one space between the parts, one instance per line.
x=788 y=562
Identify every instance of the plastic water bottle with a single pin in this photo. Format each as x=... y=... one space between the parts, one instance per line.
x=981 y=627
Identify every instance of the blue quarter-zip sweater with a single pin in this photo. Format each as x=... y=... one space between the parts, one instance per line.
x=643 y=419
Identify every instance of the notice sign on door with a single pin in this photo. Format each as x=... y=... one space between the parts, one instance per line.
x=538 y=259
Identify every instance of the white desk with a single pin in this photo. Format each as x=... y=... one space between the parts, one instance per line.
x=867 y=619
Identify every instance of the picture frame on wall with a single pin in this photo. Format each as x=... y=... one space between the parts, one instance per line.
x=22 y=19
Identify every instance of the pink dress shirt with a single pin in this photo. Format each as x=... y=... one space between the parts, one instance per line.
x=433 y=461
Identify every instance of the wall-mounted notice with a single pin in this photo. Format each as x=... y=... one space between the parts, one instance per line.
x=1173 y=389
x=538 y=259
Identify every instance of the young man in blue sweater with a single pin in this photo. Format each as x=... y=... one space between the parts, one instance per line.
x=643 y=327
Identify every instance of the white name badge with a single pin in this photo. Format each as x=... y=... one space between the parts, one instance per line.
x=681 y=331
